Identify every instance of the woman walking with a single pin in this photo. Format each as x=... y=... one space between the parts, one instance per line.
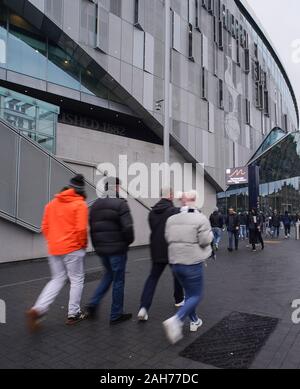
x=255 y=229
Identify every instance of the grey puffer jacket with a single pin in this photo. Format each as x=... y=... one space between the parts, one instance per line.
x=189 y=236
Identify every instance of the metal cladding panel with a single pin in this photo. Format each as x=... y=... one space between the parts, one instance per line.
x=8 y=171
x=33 y=183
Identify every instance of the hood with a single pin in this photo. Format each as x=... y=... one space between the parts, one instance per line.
x=68 y=196
x=162 y=206
x=216 y=213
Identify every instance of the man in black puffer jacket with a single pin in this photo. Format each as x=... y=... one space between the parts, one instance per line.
x=159 y=252
x=112 y=233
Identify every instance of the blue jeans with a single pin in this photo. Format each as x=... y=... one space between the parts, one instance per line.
x=115 y=266
x=217 y=235
x=191 y=279
x=276 y=231
x=243 y=231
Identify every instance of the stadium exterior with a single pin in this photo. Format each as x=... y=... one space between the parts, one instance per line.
x=82 y=82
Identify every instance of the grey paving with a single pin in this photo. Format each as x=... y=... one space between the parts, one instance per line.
x=262 y=283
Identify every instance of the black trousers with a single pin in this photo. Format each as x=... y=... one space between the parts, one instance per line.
x=287 y=229
x=259 y=238
x=151 y=284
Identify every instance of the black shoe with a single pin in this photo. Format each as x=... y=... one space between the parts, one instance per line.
x=230 y=250
x=72 y=320
x=121 y=319
x=91 y=312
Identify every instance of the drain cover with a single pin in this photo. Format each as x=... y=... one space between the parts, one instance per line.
x=233 y=343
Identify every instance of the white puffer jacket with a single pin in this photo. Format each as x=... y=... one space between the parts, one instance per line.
x=189 y=236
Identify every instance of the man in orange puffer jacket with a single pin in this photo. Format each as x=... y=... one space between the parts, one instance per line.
x=64 y=226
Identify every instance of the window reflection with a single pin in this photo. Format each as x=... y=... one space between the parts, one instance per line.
x=279 y=177
x=3 y=35
x=62 y=69
x=27 y=49
x=33 y=118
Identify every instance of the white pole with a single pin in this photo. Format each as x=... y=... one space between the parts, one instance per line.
x=167 y=82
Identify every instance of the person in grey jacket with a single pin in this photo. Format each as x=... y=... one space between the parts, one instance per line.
x=189 y=236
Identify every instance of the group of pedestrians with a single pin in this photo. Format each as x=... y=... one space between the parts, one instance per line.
x=180 y=238
x=239 y=226
x=250 y=225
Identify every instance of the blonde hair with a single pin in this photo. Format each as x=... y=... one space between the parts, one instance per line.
x=190 y=197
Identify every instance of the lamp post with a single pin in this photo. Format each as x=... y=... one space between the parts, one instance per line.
x=166 y=171
x=167 y=82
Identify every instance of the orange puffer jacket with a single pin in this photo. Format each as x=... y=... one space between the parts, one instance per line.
x=65 y=223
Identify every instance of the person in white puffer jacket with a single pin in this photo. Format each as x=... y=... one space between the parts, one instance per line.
x=189 y=236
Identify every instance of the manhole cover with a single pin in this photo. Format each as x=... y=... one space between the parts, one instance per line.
x=233 y=343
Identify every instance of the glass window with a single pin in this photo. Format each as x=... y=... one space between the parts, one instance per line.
x=34 y=118
x=3 y=39
x=90 y=84
x=27 y=49
x=62 y=68
x=46 y=122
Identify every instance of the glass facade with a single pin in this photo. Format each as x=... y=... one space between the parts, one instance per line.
x=279 y=180
x=275 y=135
x=33 y=118
x=25 y=50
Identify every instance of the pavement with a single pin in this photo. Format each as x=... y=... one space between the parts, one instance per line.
x=262 y=283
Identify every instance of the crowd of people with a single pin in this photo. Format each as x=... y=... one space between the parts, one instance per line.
x=253 y=225
x=182 y=238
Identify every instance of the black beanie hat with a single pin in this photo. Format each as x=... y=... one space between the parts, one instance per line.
x=77 y=182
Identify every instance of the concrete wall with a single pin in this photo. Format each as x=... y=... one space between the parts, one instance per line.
x=17 y=243
x=89 y=148
x=83 y=150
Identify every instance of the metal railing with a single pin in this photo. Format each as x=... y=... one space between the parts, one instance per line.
x=29 y=177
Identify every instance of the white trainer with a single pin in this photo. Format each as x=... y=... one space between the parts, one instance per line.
x=173 y=329
x=143 y=315
x=179 y=305
x=194 y=326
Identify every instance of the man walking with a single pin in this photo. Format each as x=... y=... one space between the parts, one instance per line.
x=243 y=225
x=65 y=229
x=159 y=253
x=287 y=222
x=275 y=222
x=112 y=233
x=233 y=227
x=189 y=236
x=216 y=221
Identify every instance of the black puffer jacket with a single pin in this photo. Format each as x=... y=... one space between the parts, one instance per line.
x=157 y=220
x=216 y=220
x=111 y=226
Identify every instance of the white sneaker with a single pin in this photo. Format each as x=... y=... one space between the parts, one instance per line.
x=179 y=305
x=173 y=329
x=194 y=326
x=143 y=315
